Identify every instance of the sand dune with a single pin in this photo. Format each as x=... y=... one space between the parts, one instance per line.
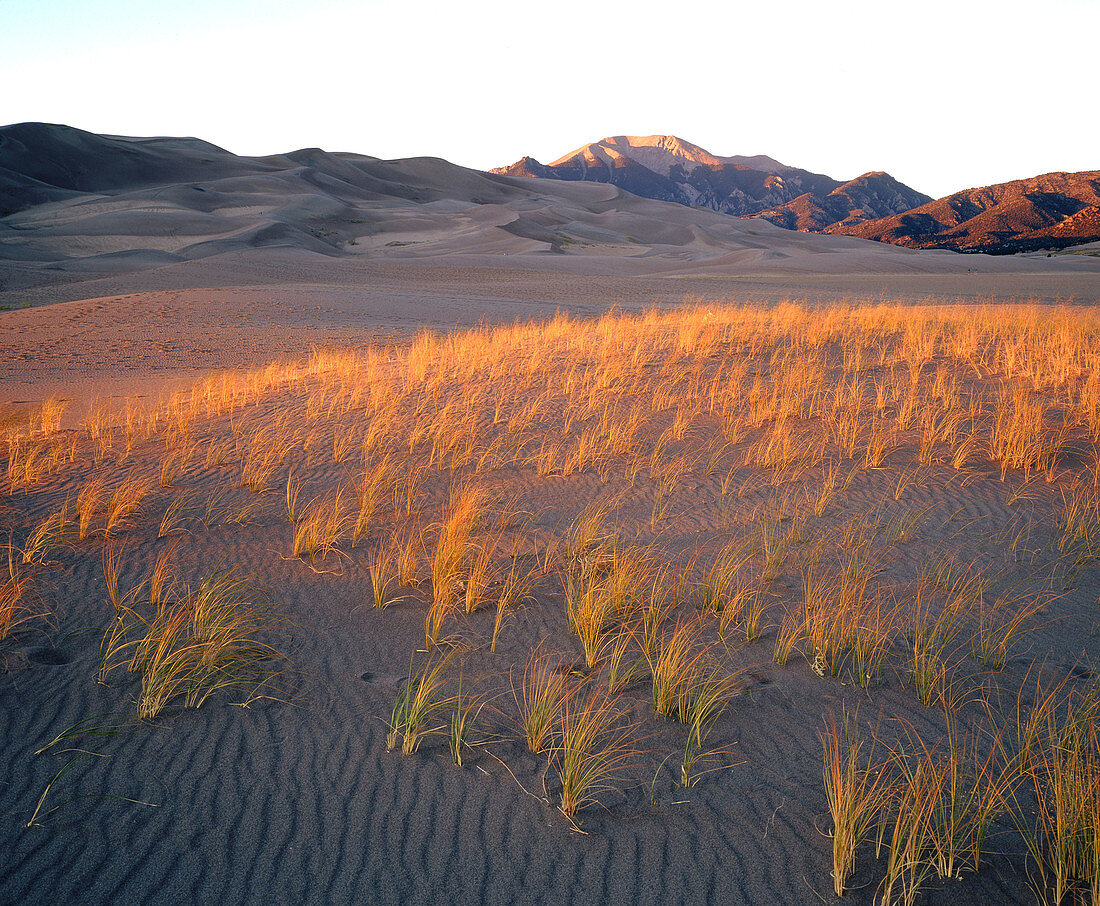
x=127 y=206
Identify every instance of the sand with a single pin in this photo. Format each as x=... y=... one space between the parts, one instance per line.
x=295 y=798
x=110 y=336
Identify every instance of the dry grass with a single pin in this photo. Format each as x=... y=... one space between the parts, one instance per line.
x=719 y=587
x=594 y=745
x=997 y=625
x=835 y=444
x=543 y=689
x=174 y=514
x=1063 y=837
x=293 y=491
x=49 y=534
x=710 y=691
x=382 y=576
x=933 y=635
x=516 y=588
x=371 y=491
x=481 y=573
x=677 y=664
x=322 y=525
x=1017 y=439
x=160 y=580
x=1078 y=523
x=467 y=708
x=112 y=563
x=857 y=790
x=586 y=535
x=588 y=609
x=419 y=702
x=907 y=863
x=88 y=504
x=200 y=640
x=124 y=505
x=468 y=506
x=18 y=604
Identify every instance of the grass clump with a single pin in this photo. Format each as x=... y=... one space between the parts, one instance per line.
x=419 y=702
x=544 y=688
x=1063 y=836
x=857 y=790
x=594 y=746
x=17 y=605
x=201 y=640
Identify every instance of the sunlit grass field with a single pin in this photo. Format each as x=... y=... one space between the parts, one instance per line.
x=866 y=495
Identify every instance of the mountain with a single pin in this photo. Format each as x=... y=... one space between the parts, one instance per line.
x=668 y=168
x=1055 y=210
x=1052 y=211
x=867 y=197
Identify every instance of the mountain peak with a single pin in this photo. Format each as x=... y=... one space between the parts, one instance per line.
x=659 y=153
x=668 y=168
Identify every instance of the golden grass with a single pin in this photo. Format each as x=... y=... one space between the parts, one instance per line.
x=516 y=589
x=160 y=580
x=382 y=576
x=588 y=610
x=18 y=605
x=88 y=504
x=124 y=504
x=1062 y=765
x=419 y=702
x=481 y=573
x=857 y=790
x=467 y=507
x=1016 y=438
x=998 y=624
x=174 y=514
x=408 y=559
x=1078 y=522
x=293 y=492
x=372 y=489
x=710 y=690
x=322 y=525
x=594 y=745
x=675 y=663
x=778 y=427
x=542 y=690
x=49 y=534
x=200 y=640
x=933 y=635
x=112 y=563
x=463 y=717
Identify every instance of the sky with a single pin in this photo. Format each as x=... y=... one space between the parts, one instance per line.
x=942 y=95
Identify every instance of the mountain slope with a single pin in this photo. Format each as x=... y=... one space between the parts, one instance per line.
x=867 y=197
x=668 y=168
x=1054 y=210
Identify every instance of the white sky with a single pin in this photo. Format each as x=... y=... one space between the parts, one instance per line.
x=942 y=95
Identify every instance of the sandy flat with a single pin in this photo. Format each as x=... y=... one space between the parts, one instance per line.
x=107 y=335
x=295 y=797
